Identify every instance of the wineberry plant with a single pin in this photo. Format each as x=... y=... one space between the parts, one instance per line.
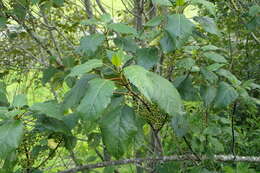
x=129 y=86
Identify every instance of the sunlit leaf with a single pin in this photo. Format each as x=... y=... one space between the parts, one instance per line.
x=155 y=88
x=86 y=67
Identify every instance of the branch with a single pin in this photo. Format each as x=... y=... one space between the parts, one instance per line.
x=101 y=7
x=220 y=158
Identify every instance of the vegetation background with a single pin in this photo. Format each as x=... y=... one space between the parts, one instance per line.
x=120 y=86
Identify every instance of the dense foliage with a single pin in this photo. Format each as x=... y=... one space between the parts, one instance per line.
x=92 y=81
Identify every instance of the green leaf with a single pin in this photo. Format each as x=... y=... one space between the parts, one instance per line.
x=155 y=89
x=96 y=99
x=208 y=93
x=3 y=21
x=53 y=125
x=91 y=21
x=117 y=59
x=91 y=43
x=168 y=167
x=227 y=74
x=212 y=131
x=122 y=28
x=86 y=67
x=209 y=76
x=20 y=100
x=35 y=1
x=147 y=57
x=208 y=24
x=20 y=9
x=215 y=57
x=118 y=127
x=167 y=43
x=155 y=21
x=210 y=48
x=58 y=3
x=187 y=90
x=51 y=109
x=179 y=28
x=3 y=98
x=162 y=2
x=180 y=125
x=226 y=94
x=106 y=18
x=73 y=97
x=214 y=67
x=186 y=63
x=254 y=10
x=218 y=147
x=48 y=73
x=9 y=163
x=11 y=134
x=180 y=2
x=206 y=4
x=127 y=44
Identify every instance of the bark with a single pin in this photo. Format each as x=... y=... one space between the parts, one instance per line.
x=89 y=11
x=139 y=6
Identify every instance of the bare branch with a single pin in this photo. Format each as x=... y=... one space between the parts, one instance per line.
x=101 y=7
x=220 y=158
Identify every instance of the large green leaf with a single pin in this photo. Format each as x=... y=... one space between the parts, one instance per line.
x=96 y=99
x=226 y=94
x=167 y=43
x=214 y=67
x=155 y=89
x=20 y=100
x=11 y=134
x=208 y=24
x=209 y=75
x=122 y=28
x=187 y=91
x=91 y=43
x=51 y=109
x=227 y=74
x=73 y=97
x=118 y=128
x=147 y=57
x=208 y=93
x=154 y=21
x=179 y=28
x=52 y=125
x=254 y=10
x=215 y=57
x=127 y=44
x=86 y=67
